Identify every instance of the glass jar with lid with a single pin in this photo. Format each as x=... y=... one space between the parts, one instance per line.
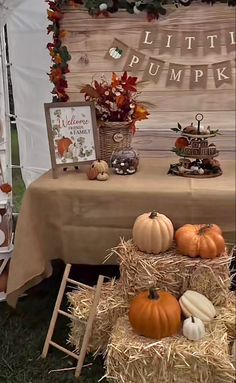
x=125 y=161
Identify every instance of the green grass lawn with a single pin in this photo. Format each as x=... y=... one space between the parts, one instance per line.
x=22 y=335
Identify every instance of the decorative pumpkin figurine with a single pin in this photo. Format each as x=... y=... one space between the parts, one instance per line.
x=153 y=232
x=125 y=161
x=197 y=305
x=155 y=314
x=102 y=176
x=205 y=241
x=101 y=166
x=193 y=328
x=6 y=188
x=92 y=172
x=181 y=142
x=63 y=145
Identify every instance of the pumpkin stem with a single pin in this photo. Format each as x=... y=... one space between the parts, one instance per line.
x=153 y=214
x=153 y=294
x=204 y=228
x=193 y=321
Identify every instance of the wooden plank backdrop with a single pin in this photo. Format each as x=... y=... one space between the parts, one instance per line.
x=94 y=36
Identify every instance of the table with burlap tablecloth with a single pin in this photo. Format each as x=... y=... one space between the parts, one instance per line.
x=78 y=221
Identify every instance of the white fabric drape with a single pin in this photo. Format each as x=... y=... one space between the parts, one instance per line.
x=6 y=7
x=30 y=60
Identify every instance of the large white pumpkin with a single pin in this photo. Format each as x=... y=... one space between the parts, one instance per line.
x=193 y=328
x=197 y=305
x=153 y=232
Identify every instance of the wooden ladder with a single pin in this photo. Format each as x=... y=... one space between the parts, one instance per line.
x=57 y=310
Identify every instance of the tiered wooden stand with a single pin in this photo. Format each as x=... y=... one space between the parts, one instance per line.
x=197 y=156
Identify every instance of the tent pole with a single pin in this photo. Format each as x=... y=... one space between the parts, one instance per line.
x=5 y=64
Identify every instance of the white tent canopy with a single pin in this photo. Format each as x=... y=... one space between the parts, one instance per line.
x=30 y=62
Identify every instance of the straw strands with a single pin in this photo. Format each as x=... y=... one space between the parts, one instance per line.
x=227 y=315
x=111 y=306
x=135 y=359
x=173 y=272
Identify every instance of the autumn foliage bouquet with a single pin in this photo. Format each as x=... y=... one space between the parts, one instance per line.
x=116 y=101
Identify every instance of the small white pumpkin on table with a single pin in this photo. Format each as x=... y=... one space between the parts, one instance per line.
x=102 y=176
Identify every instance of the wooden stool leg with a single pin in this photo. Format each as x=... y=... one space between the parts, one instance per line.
x=89 y=325
x=55 y=311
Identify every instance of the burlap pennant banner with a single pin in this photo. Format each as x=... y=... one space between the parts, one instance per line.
x=175 y=75
x=198 y=76
x=189 y=43
x=153 y=70
x=148 y=38
x=169 y=42
x=134 y=61
x=116 y=51
x=222 y=73
x=230 y=40
x=212 y=42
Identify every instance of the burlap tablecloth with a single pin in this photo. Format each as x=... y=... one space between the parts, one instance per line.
x=78 y=220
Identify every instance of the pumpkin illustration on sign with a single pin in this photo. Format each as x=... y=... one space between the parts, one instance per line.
x=63 y=145
x=205 y=241
x=153 y=232
x=155 y=314
x=115 y=53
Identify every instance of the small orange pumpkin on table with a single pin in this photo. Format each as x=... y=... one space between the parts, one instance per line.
x=155 y=314
x=97 y=167
x=205 y=241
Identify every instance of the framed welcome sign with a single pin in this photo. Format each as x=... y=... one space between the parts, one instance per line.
x=72 y=133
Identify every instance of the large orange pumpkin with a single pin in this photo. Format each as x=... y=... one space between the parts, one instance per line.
x=63 y=145
x=155 y=314
x=205 y=241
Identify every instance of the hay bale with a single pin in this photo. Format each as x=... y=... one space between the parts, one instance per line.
x=173 y=272
x=135 y=359
x=227 y=315
x=111 y=306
